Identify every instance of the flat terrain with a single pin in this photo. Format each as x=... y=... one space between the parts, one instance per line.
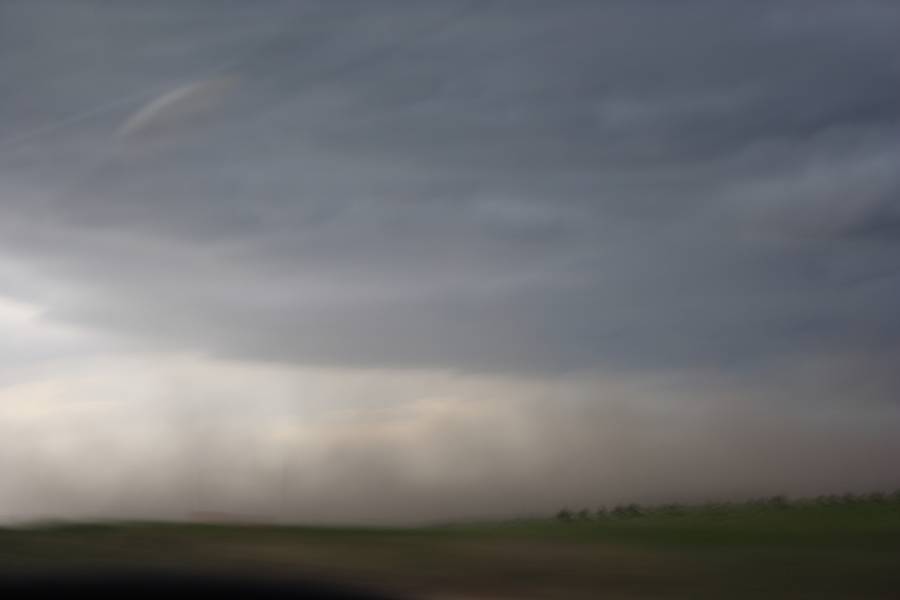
x=808 y=550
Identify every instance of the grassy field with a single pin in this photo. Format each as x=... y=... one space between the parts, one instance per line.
x=826 y=549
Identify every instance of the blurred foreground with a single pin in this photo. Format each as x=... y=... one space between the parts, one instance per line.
x=832 y=549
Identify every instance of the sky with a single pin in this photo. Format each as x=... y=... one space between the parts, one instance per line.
x=394 y=260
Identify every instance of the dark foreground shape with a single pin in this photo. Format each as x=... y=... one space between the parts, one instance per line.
x=169 y=586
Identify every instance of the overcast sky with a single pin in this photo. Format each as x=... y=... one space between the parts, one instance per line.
x=390 y=260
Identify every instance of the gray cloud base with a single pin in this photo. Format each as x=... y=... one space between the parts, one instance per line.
x=482 y=186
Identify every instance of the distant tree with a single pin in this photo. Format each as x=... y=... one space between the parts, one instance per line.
x=827 y=500
x=564 y=515
x=671 y=509
x=780 y=501
x=584 y=515
x=876 y=497
x=627 y=511
x=601 y=513
x=717 y=508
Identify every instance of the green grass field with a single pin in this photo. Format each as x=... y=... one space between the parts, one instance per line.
x=803 y=550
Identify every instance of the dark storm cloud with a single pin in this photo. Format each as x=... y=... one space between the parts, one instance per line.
x=481 y=185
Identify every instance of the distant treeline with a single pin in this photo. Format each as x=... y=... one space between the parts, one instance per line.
x=779 y=502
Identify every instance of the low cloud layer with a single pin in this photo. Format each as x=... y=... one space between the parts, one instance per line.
x=179 y=437
x=589 y=191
